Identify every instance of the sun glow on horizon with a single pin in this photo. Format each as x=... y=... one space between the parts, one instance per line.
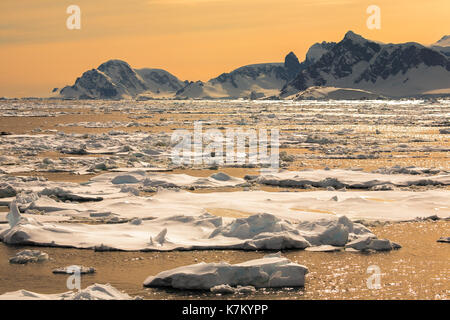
x=192 y=39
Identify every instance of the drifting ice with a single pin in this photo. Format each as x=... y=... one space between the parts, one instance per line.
x=272 y=271
x=94 y=292
x=27 y=256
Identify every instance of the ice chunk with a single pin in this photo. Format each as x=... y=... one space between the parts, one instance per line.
x=324 y=248
x=226 y=289
x=265 y=231
x=444 y=240
x=66 y=195
x=7 y=191
x=70 y=270
x=14 y=214
x=223 y=288
x=270 y=271
x=136 y=221
x=331 y=231
x=160 y=238
x=125 y=178
x=338 y=179
x=94 y=292
x=221 y=176
x=248 y=228
x=130 y=189
x=27 y=256
x=369 y=242
x=26 y=197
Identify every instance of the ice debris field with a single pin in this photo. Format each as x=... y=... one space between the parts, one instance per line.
x=344 y=167
x=107 y=213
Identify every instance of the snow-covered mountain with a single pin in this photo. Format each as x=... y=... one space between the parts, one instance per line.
x=372 y=68
x=317 y=50
x=444 y=42
x=115 y=79
x=160 y=81
x=443 y=45
x=252 y=81
x=395 y=70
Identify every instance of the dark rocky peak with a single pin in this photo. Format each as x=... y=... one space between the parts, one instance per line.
x=292 y=65
x=291 y=61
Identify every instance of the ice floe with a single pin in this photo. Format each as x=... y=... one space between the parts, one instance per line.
x=167 y=180
x=444 y=240
x=272 y=271
x=174 y=219
x=369 y=243
x=74 y=269
x=227 y=289
x=27 y=256
x=183 y=232
x=338 y=179
x=94 y=292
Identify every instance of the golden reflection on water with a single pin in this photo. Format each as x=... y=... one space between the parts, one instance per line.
x=420 y=270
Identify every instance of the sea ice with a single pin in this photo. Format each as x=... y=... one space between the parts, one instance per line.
x=338 y=178
x=260 y=231
x=243 y=220
x=371 y=243
x=14 y=214
x=226 y=289
x=70 y=270
x=272 y=271
x=27 y=256
x=7 y=190
x=94 y=292
x=444 y=240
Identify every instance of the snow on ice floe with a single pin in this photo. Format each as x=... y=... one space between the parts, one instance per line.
x=167 y=180
x=256 y=232
x=111 y=184
x=94 y=292
x=83 y=153
x=272 y=271
x=338 y=179
x=27 y=256
x=366 y=243
x=227 y=289
x=174 y=219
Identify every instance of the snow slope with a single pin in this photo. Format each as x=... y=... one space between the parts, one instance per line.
x=115 y=79
x=443 y=45
x=159 y=82
x=443 y=42
x=252 y=81
x=395 y=70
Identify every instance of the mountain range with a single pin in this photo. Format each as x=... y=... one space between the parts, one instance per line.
x=352 y=68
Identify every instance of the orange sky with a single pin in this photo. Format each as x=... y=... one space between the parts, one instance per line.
x=193 y=39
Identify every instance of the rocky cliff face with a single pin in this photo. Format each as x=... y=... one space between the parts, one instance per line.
x=393 y=70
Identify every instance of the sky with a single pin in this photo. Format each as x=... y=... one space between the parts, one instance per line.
x=192 y=39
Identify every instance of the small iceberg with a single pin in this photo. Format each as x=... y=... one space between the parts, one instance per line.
x=272 y=271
